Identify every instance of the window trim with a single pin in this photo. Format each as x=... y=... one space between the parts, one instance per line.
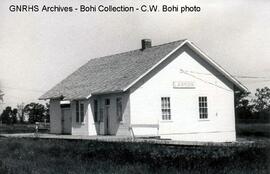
x=205 y=105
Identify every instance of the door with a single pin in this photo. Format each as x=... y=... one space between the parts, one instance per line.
x=66 y=121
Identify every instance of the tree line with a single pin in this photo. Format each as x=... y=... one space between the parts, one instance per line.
x=253 y=108
x=35 y=112
x=248 y=109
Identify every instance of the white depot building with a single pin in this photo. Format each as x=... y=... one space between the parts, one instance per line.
x=173 y=90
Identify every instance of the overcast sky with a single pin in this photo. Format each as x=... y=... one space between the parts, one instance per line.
x=37 y=50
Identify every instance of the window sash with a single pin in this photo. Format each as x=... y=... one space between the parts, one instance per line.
x=165 y=108
x=79 y=112
x=203 y=107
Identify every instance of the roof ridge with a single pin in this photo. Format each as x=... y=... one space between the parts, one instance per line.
x=181 y=40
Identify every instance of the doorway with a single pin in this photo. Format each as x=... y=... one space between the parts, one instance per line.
x=66 y=120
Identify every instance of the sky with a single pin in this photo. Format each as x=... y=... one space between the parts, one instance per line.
x=38 y=50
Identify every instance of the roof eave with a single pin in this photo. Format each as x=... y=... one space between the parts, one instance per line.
x=104 y=93
x=50 y=98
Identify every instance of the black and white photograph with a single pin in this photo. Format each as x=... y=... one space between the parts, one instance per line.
x=134 y=87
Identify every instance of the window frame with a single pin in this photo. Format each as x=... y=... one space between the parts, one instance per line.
x=80 y=112
x=77 y=111
x=119 y=109
x=96 y=118
x=166 y=111
x=107 y=102
x=203 y=104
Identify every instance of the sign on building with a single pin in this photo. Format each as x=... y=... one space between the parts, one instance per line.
x=183 y=84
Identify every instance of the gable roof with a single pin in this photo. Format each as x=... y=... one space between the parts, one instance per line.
x=117 y=73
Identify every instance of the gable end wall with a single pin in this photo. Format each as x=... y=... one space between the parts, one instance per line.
x=145 y=101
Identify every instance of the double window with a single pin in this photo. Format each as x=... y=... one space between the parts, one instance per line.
x=79 y=112
x=203 y=108
x=166 y=108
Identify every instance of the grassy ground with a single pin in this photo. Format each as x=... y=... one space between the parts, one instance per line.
x=18 y=128
x=45 y=156
x=255 y=130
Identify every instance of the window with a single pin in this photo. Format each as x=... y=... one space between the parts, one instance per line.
x=166 y=108
x=95 y=110
x=203 y=110
x=119 y=109
x=107 y=102
x=79 y=112
x=82 y=112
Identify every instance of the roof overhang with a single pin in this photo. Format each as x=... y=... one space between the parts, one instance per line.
x=51 y=98
x=104 y=93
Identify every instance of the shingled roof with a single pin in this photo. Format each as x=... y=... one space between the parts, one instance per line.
x=111 y=73
x=118 y=72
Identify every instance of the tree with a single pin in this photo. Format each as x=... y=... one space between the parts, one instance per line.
x=14 y=116
x=243 y=106
x=1 y=96
x=6 y=116
x=262 y=99
x=47 y=112
x=262 y=104
x=36 y=112
x=20 y=108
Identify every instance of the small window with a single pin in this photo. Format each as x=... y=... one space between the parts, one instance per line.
x=95 y=110
x=203 y=108
x=107 y=102
x=119 y=109
x=166 y=108
x=79 y=112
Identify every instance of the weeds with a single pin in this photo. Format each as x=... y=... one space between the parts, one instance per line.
x=75 y=156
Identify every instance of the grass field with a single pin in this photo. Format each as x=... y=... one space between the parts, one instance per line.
x=45 y=156
x=26 y=156
x=18 y=128
x=258 y=130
